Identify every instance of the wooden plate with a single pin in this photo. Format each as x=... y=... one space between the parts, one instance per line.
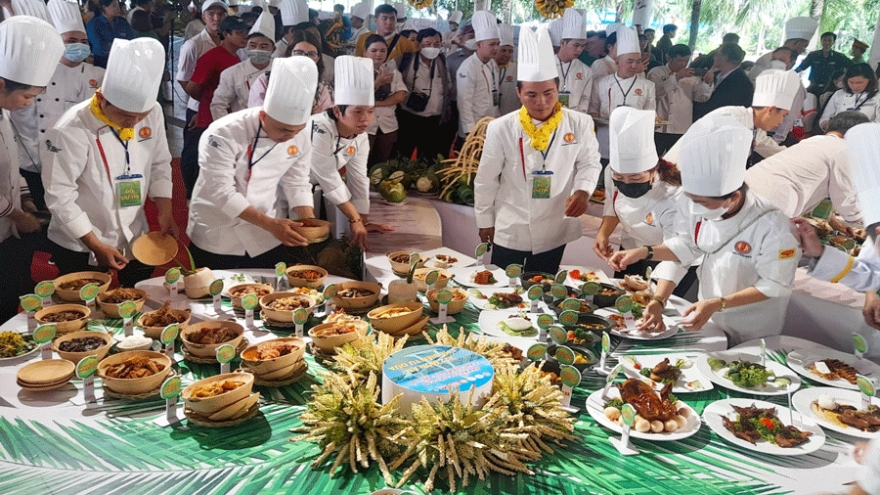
x=46 y=372
x=154 y=248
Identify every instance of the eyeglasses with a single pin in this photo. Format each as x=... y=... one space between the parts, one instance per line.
x=300 y=53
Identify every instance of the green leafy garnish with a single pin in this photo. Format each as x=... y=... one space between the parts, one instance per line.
x=716 y=364
x=747 y=375
x=617 y=403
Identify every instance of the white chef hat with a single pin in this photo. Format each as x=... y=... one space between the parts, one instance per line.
x=485 y=26
x=535 y=61
x=294 y=12
x=361 y=11
x=631 y=138
x=455 y=17
x=802 y=28
x=642 y=10
x=776 y=88
x=353 y=81
x=573 y=26
x=275 y=3
x=291 y=91
x=210 y=3
x=259 y=3
x=554 y=29
x=505 y=34
x=613 y=28
x=863 y=151
x=627 y=41
x=66 y=16
x=33 y=8
x=134 y=71
x=481 y=5
x=401 y=10
x=713 y=156
x=265 y=25
x=233 y=3
x=30 y=49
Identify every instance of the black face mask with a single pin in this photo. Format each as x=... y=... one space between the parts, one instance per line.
x=633 y=190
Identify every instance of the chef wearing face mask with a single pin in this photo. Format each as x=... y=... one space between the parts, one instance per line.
x=73 y=82
x=232 y=93
x=235 y=220
x=749 y=253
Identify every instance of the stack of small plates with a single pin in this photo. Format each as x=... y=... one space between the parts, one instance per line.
x=42 y=376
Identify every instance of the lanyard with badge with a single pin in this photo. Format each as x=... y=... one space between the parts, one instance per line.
x=251 y=150
x=564 y=95
x=542 y=180
x=625 y=93
x=129 y=187
x=496 y=97
x=860 y=102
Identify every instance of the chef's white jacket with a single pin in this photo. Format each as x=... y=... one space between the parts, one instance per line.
x=232 y=93
x=676 y=97
x=737 y=256
x=68 y=86
x=764 y=144
x=842 y=101
x=503 y=185
x=10 y=178
x=335 y=158
x=507 y=85
x=81 y=185
x=608 y=94
x=798 y=179
x=576 y=79
x=860 y=273
x=794 y=115
x=603 y=67
x=762 y=64
x=227 y=185
x=476 y=83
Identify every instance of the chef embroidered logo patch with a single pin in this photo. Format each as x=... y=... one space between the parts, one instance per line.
x=292 y=150
x=649 y=219
x=638 y=91
x=743 y=247
x=785 y=254
x=93 y=83
x=350 y=150
x=145 y=133
x=51 y=147
x=569 y=138
x=579 y=75
x=509 y=78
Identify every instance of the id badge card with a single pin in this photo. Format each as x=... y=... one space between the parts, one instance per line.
x=496 y=98
x=541 y=182
x=563 y=98
x=129 y=190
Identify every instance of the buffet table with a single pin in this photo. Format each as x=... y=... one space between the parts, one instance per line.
x=55 y=443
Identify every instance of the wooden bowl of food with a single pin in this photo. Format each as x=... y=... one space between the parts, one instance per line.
x=356 y=295
x=77 y=345
x=395 y=317
x=66 y=317
x=134 y=372
x=420 y=274
x=273 y=355
x=236 y=292
x=210 y=395
x=279 y=306
x=306 y=276
x=67 y=286
x=236 y=409
x=109 y=301
x=400 y=262
x=607 y=295
x=313 y=229
x=203 y=338
x=329 y=336
x=153 y=322
x=459 y=298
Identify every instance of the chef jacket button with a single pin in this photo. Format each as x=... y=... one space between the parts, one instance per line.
x=41 y=116
x=56 y=99
x=53 y=84
x=43 y=132
x=38 y=99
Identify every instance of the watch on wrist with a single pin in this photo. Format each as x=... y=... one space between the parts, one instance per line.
x=356 y=220
x=659 y=300
x=650 y=252
x=723 y=304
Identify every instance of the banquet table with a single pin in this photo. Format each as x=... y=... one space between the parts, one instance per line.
x=55 y=443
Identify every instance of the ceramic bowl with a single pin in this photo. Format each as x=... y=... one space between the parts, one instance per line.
x=608 y=299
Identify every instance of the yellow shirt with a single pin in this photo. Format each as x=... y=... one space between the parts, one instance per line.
x=403 y=45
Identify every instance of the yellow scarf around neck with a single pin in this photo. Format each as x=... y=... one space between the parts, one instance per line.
x=540 y=136
x=125 y=133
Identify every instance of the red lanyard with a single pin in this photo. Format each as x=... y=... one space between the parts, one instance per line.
x=522 y=157
x=614 y=201
x=104 y=159
x=697 y=231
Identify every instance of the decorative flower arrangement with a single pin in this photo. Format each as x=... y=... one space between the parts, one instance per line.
x=459 y=441
x=551 y=9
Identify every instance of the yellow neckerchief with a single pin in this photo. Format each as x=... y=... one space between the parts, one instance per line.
x=540 y=136
x=124 y=133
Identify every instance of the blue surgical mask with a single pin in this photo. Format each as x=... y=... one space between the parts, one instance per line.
x=77 y=52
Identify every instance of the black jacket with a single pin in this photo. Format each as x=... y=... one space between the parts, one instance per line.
x=735 y=90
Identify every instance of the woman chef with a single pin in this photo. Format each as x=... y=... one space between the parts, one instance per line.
x=235 y=220
x=750 y=254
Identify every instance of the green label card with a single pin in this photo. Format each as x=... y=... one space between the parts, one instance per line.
x=444 y=296
x=87 y=366
x=481 y=249
x=558 y=334
x=561 y=277
x=866 y=385
x=45 y=288
x=564 y=355
x=172 y=276
x=225 y=353
x=280 y=269
x=628 y=415
x=590 y=288
x=513 y=271
x=535 y=292
x=558 y=291
x=568 y=318
x=544 y=321
x=330 y=292
x=432 y=277
x=859 y=343
x=216 y=287
x=169 y=333
x=31 y=302
x=127 y=309
x=537 y=352
x=170 y=388
x=624 y=304
x=571 y=304
x=44 y=334
x=570 y=375
x=300 y=316
x=89 y=292
x=606 y=343
x=414 y=258
x=614 y=372
x=249 y=302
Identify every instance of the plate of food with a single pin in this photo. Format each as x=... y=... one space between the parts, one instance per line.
x=830 y=367
x=480 y=277
x=839 y=410
x=763 y=427
x=14 y=345
x=620 y=330
x=581 y=275
x=660 y=417
x=658 y=370
x=446 y=258
x=744 y=373
x=519 y=329
x=499 y=299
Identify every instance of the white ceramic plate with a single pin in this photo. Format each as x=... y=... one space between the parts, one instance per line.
x=462 y=275
x=768 y=389
x=800 y=359
x=803 y=401
x=715 y=411
x=20 y=356
x=483 y=302
x=577 y=283
x=596 y=407
x=690 y=381
x=463 y=260
x=489 y=326
x=671 y=328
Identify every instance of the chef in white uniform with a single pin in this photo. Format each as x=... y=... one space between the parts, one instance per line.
x=232 y=93
x=608 y=64
x=678 y=89
x=293 y=13
x=340 y=147
x=452 y=38
x=798 y=33
x=477 y=78
x=360 y=13
x=575 y=77
x=749 y=253
x=30 y=51
x=624 y=88
x=538 y=169
x=235 y=220
x=73 y=82
x=507 y=70
x=33 y=8
x=101 y=162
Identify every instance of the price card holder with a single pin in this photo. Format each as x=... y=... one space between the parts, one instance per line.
x=537 y=352
x=85 y=370
x=88 y=294
x=763 y=348
x=558 y=292
x=280 y=275
x=31 y=303
x=249 y=302
x=215 y=289
x=480 y=252
x=561 y=277
x=860 y=345
x=225 y=354
x=170 y=391
x=606 y=349
x=571 y=378
x=588 y=290
x=329 y=293
x=535 y=293
x=866 y=386
x=44 y=290
x=43 y=335
x=624 y=304
x=414 y=259
x=544 y=323
x=558 y=335
x=172 y=276
x=609 y=380
x=167 y=337
x=300 y=316
x=431 y=279
x=444 y=297
x=513 y=273
x=127 y=311
x=622 y=444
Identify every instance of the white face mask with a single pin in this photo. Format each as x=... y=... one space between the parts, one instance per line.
x=430 y=53
x=707 y=213
x=470 y=45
